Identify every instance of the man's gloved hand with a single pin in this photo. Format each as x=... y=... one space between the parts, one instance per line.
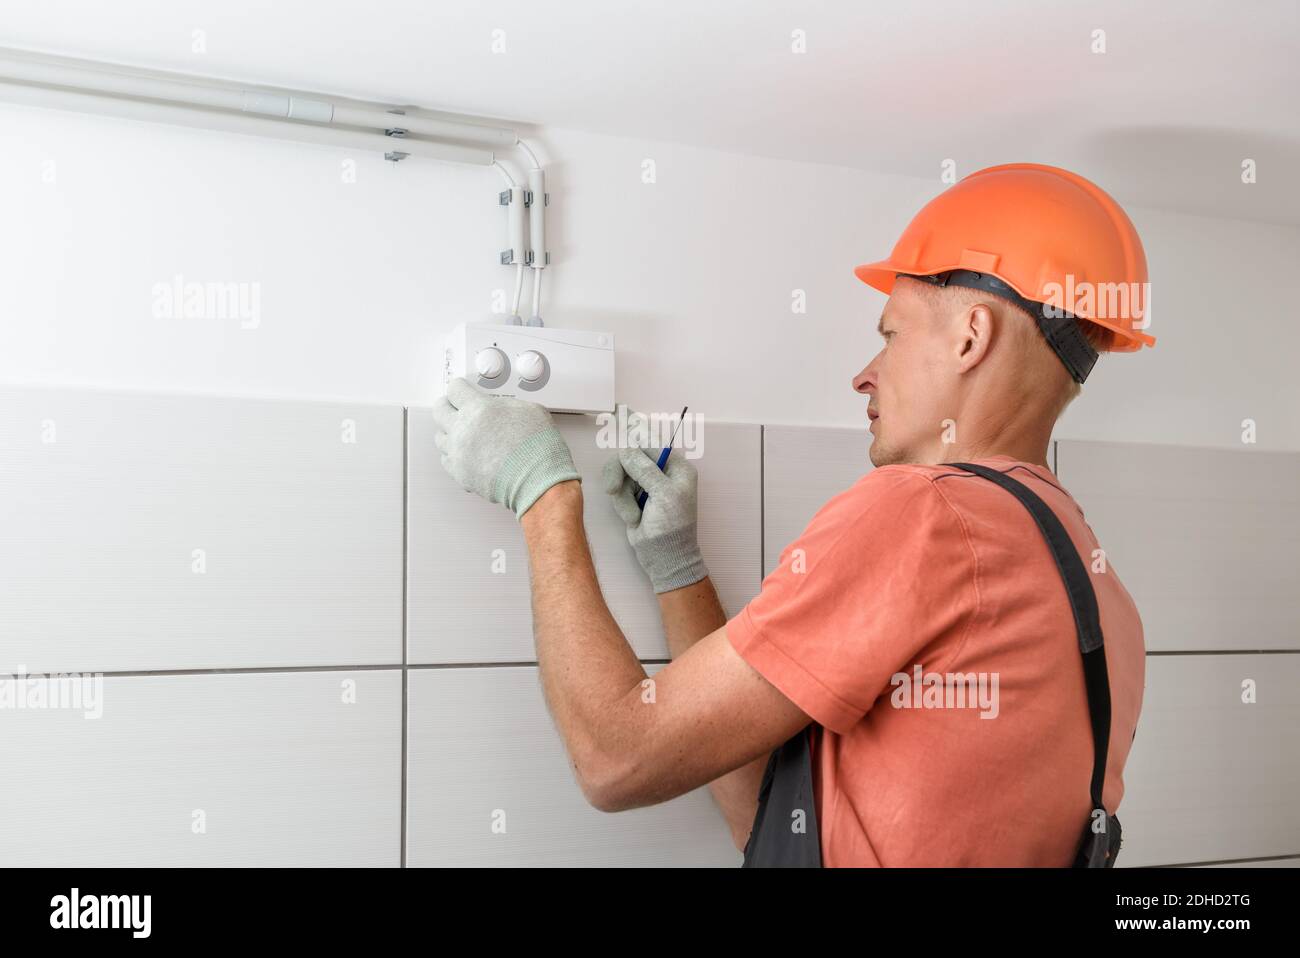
x=505 y=449
x=663 y=536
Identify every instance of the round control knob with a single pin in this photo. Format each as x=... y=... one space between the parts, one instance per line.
x=490 y=363
x=530 y=364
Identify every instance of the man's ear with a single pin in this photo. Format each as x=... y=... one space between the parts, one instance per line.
x=975 y=336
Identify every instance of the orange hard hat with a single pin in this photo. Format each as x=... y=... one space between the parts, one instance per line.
x=1048 y=240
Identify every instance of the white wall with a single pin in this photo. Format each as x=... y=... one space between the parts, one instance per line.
x=359 y=281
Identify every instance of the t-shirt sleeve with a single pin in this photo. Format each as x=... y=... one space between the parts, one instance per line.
x=883 y=574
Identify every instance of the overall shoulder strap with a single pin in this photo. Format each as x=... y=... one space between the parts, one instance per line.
x=776 y=840
x=1087 y=620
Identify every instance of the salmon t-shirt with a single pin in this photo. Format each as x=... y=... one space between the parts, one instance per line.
x=921 y=622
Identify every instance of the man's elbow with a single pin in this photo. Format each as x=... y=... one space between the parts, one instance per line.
x=611 y=782
x=605 y=791
x=604 y=798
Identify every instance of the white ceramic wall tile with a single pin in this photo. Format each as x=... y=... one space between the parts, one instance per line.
x=460 y=611
x=1206 y=540
x=283 y=769
x=481 y=744
x=803 y=468
x=104 y=498
x=1211 y=778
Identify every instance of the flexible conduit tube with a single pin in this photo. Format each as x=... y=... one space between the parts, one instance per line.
x=518 y=246
x=537 y=216
x=537 y=236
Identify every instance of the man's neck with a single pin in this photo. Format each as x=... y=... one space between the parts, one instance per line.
x=1030 y=450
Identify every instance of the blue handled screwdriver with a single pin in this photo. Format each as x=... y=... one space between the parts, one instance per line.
x=642 y=496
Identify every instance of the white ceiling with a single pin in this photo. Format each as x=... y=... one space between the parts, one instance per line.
x=1185 y=92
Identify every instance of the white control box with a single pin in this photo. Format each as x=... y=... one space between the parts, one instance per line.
x=566 y=370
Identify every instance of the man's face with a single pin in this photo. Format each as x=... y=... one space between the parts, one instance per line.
x=909 y=380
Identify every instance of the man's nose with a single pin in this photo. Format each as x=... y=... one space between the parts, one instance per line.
x=865 y=381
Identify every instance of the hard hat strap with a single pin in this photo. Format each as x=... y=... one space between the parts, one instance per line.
x=1061 y=329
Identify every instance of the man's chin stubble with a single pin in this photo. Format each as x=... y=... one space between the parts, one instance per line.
x=883 y=455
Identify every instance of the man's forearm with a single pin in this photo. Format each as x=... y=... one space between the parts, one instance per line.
x=689 y=614
x=587 y=667
x=588 y=670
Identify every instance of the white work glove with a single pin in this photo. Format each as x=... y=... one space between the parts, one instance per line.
x=505 y=449
x=663 y=536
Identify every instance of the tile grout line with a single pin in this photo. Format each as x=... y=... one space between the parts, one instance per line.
x=1223 y=861
x=392 y=667
x=250 y=670
x=406 y=488
x=1166 y=652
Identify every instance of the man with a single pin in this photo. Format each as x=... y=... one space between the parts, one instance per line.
x=991 y=326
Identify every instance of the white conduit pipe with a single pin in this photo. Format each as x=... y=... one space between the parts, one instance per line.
x=19 y=68
x=68 y=84
x=239 y=123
